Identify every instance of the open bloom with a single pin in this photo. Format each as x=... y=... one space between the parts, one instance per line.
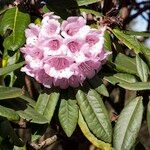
x=63 y=54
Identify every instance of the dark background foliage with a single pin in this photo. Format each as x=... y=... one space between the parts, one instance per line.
x=25 y=121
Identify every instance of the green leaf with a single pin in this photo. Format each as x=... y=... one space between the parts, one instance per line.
x=121 y=62
x=28 y=99
x=90 y=11
x=17 y=22
x=87 y=133
x=95 y=114
x=86 y=2
x=46 y=104
x=121 y=78
x=31 y=115
x=8 y=113
x=142 y=69
x=148 y=116
x=68 y=115
x=98 y=85
x=130 y=41
x=9 y=92
x=128 y=125
x=107 y=41
x=128 y=82
x=144 y=34
x=10 y=68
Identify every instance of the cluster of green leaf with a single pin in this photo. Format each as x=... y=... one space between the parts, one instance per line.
x=83 y=107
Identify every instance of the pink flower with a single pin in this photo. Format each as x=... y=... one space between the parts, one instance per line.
x=63 y=55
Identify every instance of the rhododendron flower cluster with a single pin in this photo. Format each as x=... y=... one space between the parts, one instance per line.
x=63 y=54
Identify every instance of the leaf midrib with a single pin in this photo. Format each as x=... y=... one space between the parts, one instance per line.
x=14 y=25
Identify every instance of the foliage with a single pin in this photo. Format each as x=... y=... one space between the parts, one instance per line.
x=108 y=122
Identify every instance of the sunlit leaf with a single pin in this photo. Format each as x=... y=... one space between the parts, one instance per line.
x=128 y=125
x=95 y=114
x=46 y=104
x=31 y=115
x=129 y=41
x=10 y=114
x=9 y=92
x=87 y=133
x=68 y=115
x=127 y=81
x=86 y=2
x=142 y=69
x=90 y=11
x=10 y=68
x=121 y=62
x=144 y=34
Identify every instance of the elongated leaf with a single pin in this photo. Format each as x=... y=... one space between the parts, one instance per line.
x=31 y=115
x=10 y=68
x=95 y=114
x=86 y=2
x=16 y=21
x=84 y=128
x=128 y=125
x=148 y=116
x=128 y=82
x=46 y=104
x=129 y=41
x=142 y=69
x=121 y=62
x=98 y=85
x=28 y=99
x=8 y=113
x=9 y=92
x=68 y=115
x=144 y=34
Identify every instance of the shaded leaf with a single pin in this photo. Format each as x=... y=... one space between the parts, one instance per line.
x=128 y=125
x=98 y=85
x=31 y=115
x=68 y=115
x=9 y=92
x=8 y=113
x=142 y=69
x=10 y=68
x=95 y=114
x=46 y=104
x=17 y=22
x=28 y=99
x=107 y=41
